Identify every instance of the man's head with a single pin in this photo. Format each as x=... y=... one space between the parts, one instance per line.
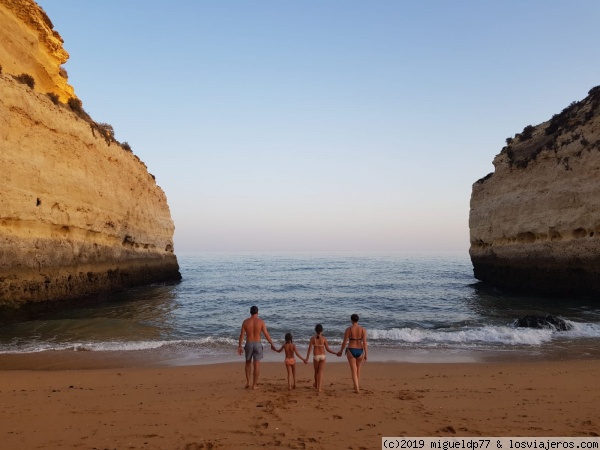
x=253 y=310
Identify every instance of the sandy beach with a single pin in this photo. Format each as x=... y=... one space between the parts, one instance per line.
x=207 y=406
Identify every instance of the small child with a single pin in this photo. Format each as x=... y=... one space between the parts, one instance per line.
x=319 y=344
x=290 y=360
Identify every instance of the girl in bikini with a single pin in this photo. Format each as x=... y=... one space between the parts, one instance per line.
x=290 y=360
x=319 y=343
x=356 y=337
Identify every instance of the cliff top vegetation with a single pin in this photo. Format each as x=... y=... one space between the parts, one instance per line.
x=563 y=128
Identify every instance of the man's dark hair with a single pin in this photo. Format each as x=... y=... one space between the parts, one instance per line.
x=354 y=317
x=254 y=310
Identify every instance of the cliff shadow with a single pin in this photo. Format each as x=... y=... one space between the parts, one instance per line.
x=127 y=301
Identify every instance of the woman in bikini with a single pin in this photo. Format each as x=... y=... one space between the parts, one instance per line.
x=319 y=344
x=356 y=337
x=290 y=360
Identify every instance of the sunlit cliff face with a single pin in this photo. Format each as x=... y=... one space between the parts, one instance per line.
x=79 y=213
x=31 y=46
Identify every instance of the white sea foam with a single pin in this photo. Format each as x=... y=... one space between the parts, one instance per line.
x=503 y=335
x=582 y=330
x=486 y=335
x=490 y=335
x=460 y=337
x=207 y=343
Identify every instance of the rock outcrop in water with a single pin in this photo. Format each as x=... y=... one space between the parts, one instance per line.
x=79 y=212
x=543 y=322
x=535 y=221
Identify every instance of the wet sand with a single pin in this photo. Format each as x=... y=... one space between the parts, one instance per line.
x=207 y=406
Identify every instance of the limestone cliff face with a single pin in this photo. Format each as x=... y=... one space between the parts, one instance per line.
x=79 y=214
x=31 y=46
x=535 y=221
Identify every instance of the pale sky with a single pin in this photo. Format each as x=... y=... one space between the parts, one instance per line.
x=324 y=125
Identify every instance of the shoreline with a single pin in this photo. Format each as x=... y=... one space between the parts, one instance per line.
x=206 y=406
x=169 y=357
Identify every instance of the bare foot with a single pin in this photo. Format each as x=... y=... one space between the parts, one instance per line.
x=294 y=386
x=289 y=388
x=255 y=386
x=247 y=386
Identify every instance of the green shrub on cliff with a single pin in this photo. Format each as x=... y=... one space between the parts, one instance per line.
x=107 y=131
x=560 y=122
x=75 y=104
x=53 y=97
x=77 y=107
x=527 y=133
x=25 y=78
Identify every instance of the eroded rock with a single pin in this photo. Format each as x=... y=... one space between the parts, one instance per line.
x=535 y=221
x=541 y=322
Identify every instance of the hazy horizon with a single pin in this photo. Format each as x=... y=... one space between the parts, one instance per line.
x=324 y=126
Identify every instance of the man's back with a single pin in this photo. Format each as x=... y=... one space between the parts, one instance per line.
x=253 y=326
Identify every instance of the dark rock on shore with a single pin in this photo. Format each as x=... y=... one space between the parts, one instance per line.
x=541 y=322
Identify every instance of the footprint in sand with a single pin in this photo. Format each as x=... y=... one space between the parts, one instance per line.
x=405 y=395
x=198 y=446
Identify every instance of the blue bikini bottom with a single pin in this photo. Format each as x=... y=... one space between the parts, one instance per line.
x=356 y=352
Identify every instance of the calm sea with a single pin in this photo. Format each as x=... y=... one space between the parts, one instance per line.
x=415 y=307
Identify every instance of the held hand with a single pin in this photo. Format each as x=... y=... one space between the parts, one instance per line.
x=273 y=348
x=339 y=353
x=305 y=360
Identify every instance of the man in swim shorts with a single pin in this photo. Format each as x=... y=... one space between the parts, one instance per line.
x=252 y=327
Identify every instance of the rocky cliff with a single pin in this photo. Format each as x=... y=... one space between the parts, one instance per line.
x=30 y=45
x=535 y=221
x=79 y=212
